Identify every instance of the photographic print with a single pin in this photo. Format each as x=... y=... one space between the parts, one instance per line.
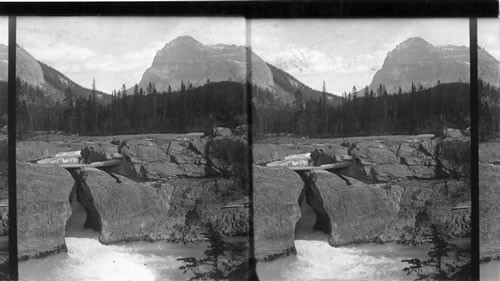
x=488 y=37
x=361 y=131
x=132 y=148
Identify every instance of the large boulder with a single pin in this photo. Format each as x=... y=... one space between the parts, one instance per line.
x=43 y=208
x=391 y=160
x=276 y=211
x=267 y=152
x=97 y=153
x=157 y=159
x=176 y=210
x=350 y=213
x=384 y=161
x=28 y=151
x=489 y=211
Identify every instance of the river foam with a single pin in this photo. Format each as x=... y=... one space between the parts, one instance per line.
x=87 y=259
x=317 y=260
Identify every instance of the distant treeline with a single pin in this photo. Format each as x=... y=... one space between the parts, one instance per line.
x=489 y=111
x=213 y=104
x=417 y=111
x=224 y=104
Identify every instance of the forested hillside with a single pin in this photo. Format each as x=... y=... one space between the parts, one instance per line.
x=224 y=104
x=418 y=111
x=214 y=104
x=489 y=111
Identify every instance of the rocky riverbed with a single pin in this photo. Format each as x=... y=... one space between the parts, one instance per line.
x=170 y=186
x=167 y=188
x=396 y=189
x=489 y=195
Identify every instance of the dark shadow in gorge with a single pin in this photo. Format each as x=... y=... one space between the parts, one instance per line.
x=84 y=220
x=314 y=223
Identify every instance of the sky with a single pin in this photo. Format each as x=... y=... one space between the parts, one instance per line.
x=488 y=36
x=115 y=50
x=343 y=52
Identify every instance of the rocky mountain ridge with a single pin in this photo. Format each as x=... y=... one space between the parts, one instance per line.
x=188 y=61
x=416 y=60
x=39 y=74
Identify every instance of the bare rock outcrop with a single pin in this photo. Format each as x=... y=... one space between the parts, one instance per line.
x=276 y=211
x=28 y=151
x=267 y=152
x=43 y=208
x=489 y=196
x=423 y=203
x=157 y=159
x=176 y=210
x=355 y=213
x=386 y=161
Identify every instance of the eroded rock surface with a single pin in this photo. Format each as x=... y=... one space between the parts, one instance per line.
x=27 y=151
x=43 y=208
x=267 y=152
x=176 y=210
x=385 y=161
x=423 y=203
x=156 y=159
x=489 y=196
x=356 y=213
x=276 y=211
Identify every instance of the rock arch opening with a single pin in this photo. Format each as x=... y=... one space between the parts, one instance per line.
x=84 y=219
x=314 y=221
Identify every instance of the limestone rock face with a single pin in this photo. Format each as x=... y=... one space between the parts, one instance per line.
x=356 y=213
x=43 y=208
x=266 y=152
x=386 y=161
x=176 y=210
x=196 y=202
x=27 y=151
x=423 y=203
x=276 y=211
x=156 y=159
x=489 y=211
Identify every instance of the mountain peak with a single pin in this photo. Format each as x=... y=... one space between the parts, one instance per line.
x=184 y=40
x=413 y=42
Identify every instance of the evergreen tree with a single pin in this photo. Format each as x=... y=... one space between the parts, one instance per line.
x=299 y=115
x=222 y=260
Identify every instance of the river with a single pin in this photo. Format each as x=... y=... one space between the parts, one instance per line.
x=87 y=259
x=317 y=260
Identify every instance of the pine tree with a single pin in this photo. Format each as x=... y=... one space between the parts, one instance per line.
x=299 y=115
x=222 y=259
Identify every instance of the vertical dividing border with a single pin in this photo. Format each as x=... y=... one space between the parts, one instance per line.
x=252 y=266
x=474 y=175
x=14 y=272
